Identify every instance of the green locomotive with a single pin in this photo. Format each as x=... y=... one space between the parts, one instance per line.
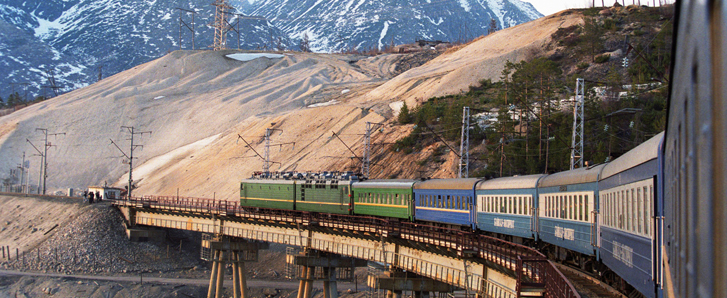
x=329 y=193
x=326 y=192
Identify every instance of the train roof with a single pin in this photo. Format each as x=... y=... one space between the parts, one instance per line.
x=457 y=183
x=515 y=182
x=268 y=181
x=385 y=183
x=577 y=176
x=645 y=152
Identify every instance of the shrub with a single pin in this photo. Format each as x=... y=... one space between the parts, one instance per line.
x=593 y=11
x=564 y=31
x=601 y=59
x=610 y=24
x=583 y=65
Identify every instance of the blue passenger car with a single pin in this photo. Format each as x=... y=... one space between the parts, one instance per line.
x=447 y=201
x=567 y=204
x=627 y=207
x=506 y=205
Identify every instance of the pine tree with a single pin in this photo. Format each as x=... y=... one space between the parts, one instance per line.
x=493 y=26
x=305 y=43
x=404 y=116
x=13 y=100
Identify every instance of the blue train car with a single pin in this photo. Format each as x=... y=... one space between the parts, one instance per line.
x=627 y=198
x=506 y=205
x=567 y=204
x=447 y=201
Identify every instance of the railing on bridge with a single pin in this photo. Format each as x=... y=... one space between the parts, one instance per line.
x=530 y=266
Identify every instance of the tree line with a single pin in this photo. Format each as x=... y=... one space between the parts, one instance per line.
x=15 y=99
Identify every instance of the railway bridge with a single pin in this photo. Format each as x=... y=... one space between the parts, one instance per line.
x=418 y=258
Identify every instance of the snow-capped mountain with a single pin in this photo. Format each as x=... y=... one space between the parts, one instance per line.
x=26 y=59
x=339 y=25
x=75 y=37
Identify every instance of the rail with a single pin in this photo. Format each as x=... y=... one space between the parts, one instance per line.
x=530 y=266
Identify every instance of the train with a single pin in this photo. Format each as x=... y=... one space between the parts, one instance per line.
x=599 y=218
x=653 y=221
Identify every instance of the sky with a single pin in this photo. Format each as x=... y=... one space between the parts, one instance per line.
x=548 y=7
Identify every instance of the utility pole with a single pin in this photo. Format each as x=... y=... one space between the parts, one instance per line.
x=52 y=81
x=183 y=23
x=576 y=153
x=22 y=173
x=130 y=156
x=464 y=145
x=365 y=165
x=266 y=153
x=44 y=154
x=40 y=171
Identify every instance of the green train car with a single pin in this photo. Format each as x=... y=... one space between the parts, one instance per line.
x=320 y=192
x=387 y=198
x=268 y=193
x=328 y=196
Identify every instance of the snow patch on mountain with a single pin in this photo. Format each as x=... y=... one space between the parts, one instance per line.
x=383 y=34
x=496 y=6
x=527 y=8
x=47 y=29
x=465 y=4
x=252 y=56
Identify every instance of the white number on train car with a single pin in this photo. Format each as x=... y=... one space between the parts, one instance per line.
x=623 y=253
x=565 y=233
x=505 y=223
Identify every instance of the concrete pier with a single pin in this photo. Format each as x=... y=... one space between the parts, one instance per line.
x=396 y=282
x=236 y=252
x=315 y=265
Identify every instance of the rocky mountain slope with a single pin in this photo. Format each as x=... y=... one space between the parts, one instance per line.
x=74 y=38
x=196 y=103
x=342 y=25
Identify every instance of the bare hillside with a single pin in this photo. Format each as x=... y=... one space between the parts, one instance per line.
x=197 y=102
x=454 y=72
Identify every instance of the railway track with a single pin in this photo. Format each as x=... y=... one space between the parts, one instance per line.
x=586 y=285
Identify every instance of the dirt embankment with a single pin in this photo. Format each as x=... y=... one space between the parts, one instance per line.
x=61 y=240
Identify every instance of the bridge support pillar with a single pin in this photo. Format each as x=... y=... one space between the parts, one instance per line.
x=396 y=281
x=315 y=265
x=223 y=250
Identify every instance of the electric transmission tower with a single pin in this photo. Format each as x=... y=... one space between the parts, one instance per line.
x=130 y=157
x=576 y=153
x=221 y=25
x=464 y=146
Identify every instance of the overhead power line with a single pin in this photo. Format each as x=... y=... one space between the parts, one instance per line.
x=130 y=157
